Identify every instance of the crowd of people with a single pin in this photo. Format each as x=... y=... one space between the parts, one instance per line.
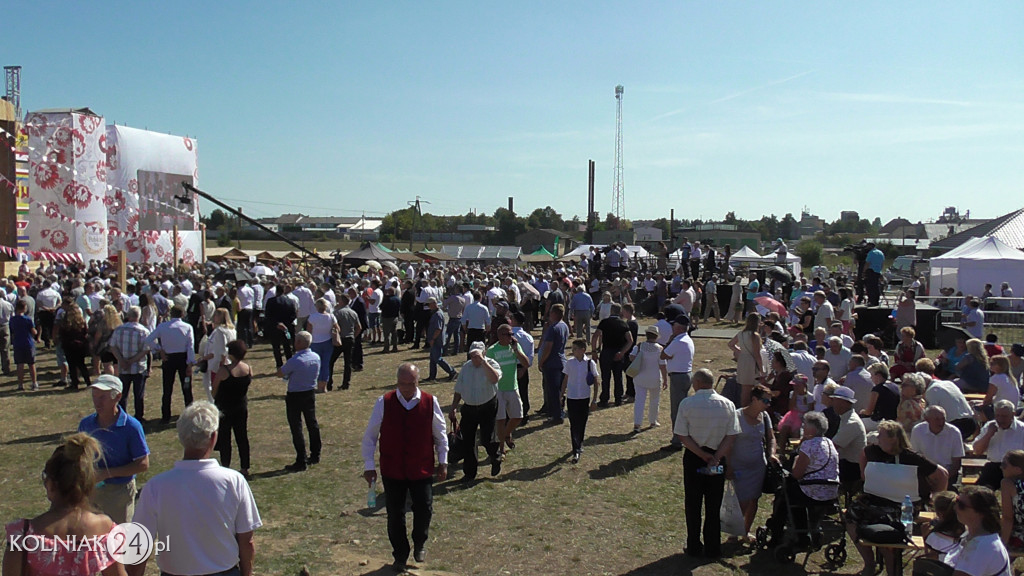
x=858 y=411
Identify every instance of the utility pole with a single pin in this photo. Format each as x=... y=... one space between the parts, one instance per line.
x=417 y=216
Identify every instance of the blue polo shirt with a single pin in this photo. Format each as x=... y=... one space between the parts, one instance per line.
x=21 y=332
x=875 y=259
x=123 y=442
x=301 y=370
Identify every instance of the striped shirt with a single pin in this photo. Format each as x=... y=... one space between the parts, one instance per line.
x=707 y=417
x=129 y=339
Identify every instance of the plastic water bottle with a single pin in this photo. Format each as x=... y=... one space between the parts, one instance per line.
x=371 y=495
x=907 y=516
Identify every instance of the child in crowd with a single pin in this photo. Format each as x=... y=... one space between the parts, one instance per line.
x=1001 y=385
x=580 y=383
x=943 y=532
x=23 y=341
x=800 y=402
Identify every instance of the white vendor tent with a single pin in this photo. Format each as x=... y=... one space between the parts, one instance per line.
x=746 y=256
x=634 y=251
x=792 y=262
x=974 y=263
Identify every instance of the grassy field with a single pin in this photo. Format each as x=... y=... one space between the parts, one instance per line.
x=619 y=511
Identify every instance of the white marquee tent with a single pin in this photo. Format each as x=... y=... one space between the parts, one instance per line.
x=634 y=251
x=746 y=256
x=792 y=262
x=974 y=263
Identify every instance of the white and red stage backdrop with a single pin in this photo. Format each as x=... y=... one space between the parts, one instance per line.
x=67 y=183
x=144 y=174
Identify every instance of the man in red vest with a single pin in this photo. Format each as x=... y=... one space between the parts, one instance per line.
x=409 y=425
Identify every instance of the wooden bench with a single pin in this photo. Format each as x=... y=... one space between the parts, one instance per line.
x=916 y=545
x=974 y=397
x=973 y=463
x=969 y=480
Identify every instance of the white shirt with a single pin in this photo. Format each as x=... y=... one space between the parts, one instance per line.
x=576 y=377
x=940 y=448
x=707 y=417
x=200 y=506
x=372 y=434
x=186 y=287
x=680 y=354
x=838 y=364
x=1004 y=440
x=373 y=307
x=305 y=299
x=48 y=299
x=258 y=290
x=978 y=317
x=246 y=297
x=525 y=341
x=6 y=311
x=981 y=556
x=1005 y=389
x=952 y=400
x=664 y=332
x=824 y=316
x=860 y=382
x=175 y=336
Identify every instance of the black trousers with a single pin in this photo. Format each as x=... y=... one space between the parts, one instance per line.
x=234 y=420
x=422 y=319
x=245 y=326
x=966 y=426
x=46 y=318
x=279 y=342
x=344 y=351
x=175 y=365
x=523 y=381
x=475 y=335
x=798 y=506
x=482 y=417
x=76 y=366
x=299 y=406
x=357 y=353
x=409 y=325
x=871 y=286
x=610 y=368
x=702 y=491
x=395 y=493
x=579 y=412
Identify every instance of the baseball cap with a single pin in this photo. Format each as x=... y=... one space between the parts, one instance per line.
x=107 y=382
x=681 y=319
x=844 y=393
x=477 y=346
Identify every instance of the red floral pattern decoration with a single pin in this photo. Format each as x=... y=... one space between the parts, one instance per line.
x=77 y=194
x=59 y=239
x=88 y=123
x=45 y=175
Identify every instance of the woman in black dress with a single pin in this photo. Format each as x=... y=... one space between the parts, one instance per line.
x=230 y=390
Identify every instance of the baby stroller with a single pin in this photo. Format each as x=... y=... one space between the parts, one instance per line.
x=823 y=526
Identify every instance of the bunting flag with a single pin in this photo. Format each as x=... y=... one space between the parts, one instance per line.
x=41 y=255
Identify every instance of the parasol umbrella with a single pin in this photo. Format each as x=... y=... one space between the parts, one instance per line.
x=364 y=269
x=372 y=264
x=771 y=304
x=233 y=274
x=391 y=266
x=261 y=270
x=527 y=288
x=779 y=273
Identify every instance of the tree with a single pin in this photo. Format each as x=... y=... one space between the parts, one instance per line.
x=216 y=219
x=509 y=226
x=546 y=218
x=730 y=218
x=810 y=253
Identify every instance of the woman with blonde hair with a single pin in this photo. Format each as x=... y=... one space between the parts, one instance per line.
x=973 y=368
x=217 y=348
x=100 y=330
x=69 y=479
x=746 y=347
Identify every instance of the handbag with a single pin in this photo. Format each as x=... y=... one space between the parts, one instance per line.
x=637 y=364
x=336 y=335
x=456 y=445
x=891 y=481
x=591 y=375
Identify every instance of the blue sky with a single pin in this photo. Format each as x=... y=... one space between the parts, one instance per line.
x=888 y=108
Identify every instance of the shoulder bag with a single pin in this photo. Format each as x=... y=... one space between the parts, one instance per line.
x=637 y=364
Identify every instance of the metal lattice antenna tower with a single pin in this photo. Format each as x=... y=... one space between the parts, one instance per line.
x=618 y=190
x=13 y=88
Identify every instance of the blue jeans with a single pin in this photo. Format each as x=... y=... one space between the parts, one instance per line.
x=437 y=358
x=454 y=332
x=137 y=384
x=553 y=390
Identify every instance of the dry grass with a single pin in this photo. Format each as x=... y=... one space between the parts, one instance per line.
x=619 y=511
